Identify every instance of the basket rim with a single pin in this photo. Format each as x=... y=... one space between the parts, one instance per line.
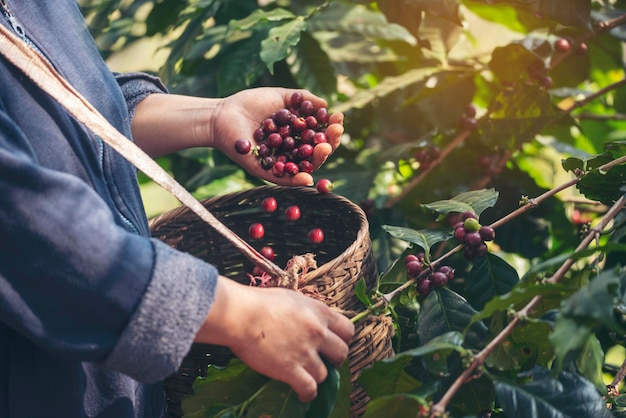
x=361 y=236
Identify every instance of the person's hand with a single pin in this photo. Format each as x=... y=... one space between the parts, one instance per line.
x=279 y=333
x=241 y=114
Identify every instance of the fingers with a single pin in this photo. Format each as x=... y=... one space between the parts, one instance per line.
x=304 y=384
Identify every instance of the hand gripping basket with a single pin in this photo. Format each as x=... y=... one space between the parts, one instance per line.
x=344 y=257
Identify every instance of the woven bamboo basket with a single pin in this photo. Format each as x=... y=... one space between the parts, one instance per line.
x=344 y=257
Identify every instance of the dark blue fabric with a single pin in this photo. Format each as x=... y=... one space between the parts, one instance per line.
x=81 y=283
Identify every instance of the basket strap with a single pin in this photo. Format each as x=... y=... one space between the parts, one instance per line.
x=43 y=74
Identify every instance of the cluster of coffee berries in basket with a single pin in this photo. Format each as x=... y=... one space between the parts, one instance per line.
x=414 y=264
x=292 y=213
x=473 y=235
x=285 y=140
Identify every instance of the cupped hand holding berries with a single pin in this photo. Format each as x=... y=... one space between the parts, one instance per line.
x=278 y=332
x=241 y=114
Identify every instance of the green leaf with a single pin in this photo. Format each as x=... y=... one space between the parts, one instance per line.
x=516 y=116
x=567 y=395
x=240 y=66
x=355 y=19
x=605 y=187
x=509 y=63
x=490 y=276
x=342 y=406
x=311 y=68
x=360 y=291
x=387 y=377
x=476 y=201
x=424 y=238
x=327 y=392
x=222 y=388
x=396 y=406
x=280 y=40
x=444 y=311
x=387 y=86
x=277 y=400
x=520 y=296
x=259 y=16
x=590 y=362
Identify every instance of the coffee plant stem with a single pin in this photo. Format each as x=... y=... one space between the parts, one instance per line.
x=619 y=377
x=580 y=103
x=479 y=359
x=599 y=27
x=416 y=180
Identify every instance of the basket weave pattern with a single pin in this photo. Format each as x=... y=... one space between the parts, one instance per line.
x=344 y=257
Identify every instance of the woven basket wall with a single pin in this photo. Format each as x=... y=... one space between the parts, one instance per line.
x=344 y=257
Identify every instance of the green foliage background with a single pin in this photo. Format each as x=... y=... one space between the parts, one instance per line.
x=403 y=72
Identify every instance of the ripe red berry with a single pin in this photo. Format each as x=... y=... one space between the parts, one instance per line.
x=306 y=108
x=409 y=258
x=545 y=82
x=278 y=169
x=562 y=45
x=413 y=268
x=256 y=231
x=424 y=287
x=311 y=122
x=468 y=214
x=438 y=279
x=487 y=233
x=473 y=239
x=296 y=99
x=269 y=204
x=288 y=144
x=319 y=138
x=299 y=124
x=243 y=146
x=459 y=234
x=581 y=49
x=274 y=140
x=447 y=270
x=292 y=213
x=267 y=252
x=306 y=166
x=316 y=235
x=322 y=115
x=305 y=151
x=468 y=124
x=258 y=135
x=269 y=125
x=482 y=250
x=291 y=168
x=282 y=117
x=324 y=185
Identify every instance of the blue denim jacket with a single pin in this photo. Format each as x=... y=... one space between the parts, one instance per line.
x=94 y=314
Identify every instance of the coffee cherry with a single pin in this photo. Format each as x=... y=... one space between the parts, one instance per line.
x=438 y=279
x=471 y=225
x=296 y=99
x=413 y=268
x=292 y=213
x=468 y=124
x=282 y=117
x=288 y=144
x=258 y=135
x=256 y=231
x=409 y=258
x=269 y=125
x=447 y=270
x=316 y=235
x=278 y=169
x=267 y=162
x=299 y=124
x=545 y=82
x=274 y=140
x=581 y=49
x=482 y=250
x=267 y=252
x=306 y=166
x=322 y=116
x=305 y=151
x=324 y=186
x=473 y=239
x=459 y=234
x=424 y=287
x=269 y=204
x=243 y=146
x=291 y=168
x=487 y=233
x=562 y=45
x=306 y=108
x=311 y=122
x=469 y=253
x=468 y=214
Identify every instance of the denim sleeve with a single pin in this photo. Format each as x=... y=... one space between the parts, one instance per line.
x=136 y=86
x=82 y=287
